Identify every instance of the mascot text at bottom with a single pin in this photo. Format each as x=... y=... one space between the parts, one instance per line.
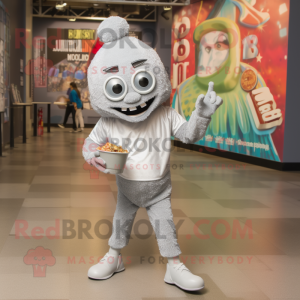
x=128 y=84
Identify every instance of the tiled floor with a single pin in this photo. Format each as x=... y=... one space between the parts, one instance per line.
x=238 y=227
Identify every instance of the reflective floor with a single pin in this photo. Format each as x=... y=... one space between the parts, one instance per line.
x=238 y=227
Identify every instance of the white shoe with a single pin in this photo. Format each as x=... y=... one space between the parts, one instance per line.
x=61 y=126
x=107 y=266
x=181 y=276
x=74 y=131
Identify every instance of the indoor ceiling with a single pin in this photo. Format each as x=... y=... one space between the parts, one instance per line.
x=131 y=10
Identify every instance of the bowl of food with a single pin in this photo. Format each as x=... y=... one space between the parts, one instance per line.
x=114 y=156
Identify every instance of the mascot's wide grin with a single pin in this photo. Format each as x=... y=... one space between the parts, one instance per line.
x=135 y=110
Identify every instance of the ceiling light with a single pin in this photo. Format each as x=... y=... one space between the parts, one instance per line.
x=167 y=7
x=72 y=20
x=96 y=4
x=98 y=18
x=61 y=6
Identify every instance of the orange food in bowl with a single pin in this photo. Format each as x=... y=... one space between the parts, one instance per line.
x=109 y=147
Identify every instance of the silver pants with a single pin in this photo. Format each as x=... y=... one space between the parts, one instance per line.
x=79 y=118
x=155 y=196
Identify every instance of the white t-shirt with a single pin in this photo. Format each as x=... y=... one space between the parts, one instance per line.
x=148 y=142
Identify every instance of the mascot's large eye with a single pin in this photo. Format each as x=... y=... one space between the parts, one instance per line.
x=143 y=82
x=115 y=88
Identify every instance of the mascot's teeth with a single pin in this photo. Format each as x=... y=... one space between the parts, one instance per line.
x=135 y=110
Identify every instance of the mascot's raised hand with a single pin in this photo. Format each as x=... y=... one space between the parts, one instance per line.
x=206 y=105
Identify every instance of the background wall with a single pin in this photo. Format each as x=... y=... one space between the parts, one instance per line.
x=16 y=10
x=163 y=28
x=157 y=35
x=291 y=151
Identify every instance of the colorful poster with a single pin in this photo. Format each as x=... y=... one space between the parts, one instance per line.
x=68 y=51
x=242 y=46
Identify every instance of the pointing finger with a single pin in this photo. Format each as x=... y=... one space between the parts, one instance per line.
x=213 y=97
x=210 y=87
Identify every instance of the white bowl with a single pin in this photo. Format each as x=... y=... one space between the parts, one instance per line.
x=115 y=161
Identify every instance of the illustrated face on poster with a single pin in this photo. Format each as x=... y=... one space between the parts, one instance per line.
x=214 y=51
x=241 y=46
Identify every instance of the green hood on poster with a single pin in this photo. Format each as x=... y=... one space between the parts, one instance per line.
x=228 y=75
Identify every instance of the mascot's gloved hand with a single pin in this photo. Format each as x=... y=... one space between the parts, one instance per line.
x=97 y=162
x=208 y=104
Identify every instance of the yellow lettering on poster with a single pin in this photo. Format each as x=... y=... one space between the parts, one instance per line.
x=81 y=34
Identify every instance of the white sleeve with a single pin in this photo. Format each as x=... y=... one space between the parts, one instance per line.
x=176 y=120
x=99 y=133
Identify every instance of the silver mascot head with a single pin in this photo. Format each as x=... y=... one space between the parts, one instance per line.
x=126 y=78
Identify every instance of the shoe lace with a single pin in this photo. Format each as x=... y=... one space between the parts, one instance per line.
x=105 y=257
x=180 y=267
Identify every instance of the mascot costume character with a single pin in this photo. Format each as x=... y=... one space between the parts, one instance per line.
x=128 y=85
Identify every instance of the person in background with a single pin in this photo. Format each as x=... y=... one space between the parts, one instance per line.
x=75 y=100
x=69 y=110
